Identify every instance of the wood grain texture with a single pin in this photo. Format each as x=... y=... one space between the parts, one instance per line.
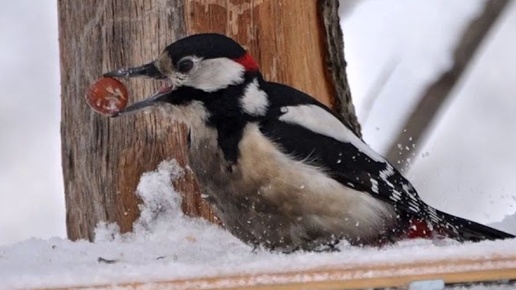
x=351 y=275
x=104 y=158
x=284 y=36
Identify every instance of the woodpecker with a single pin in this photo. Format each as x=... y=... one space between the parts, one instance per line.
x=283 y=171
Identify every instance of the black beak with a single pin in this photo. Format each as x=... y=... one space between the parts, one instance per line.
x=147 y=70
x=150 y=101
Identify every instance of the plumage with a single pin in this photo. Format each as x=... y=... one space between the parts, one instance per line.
x=281 y=169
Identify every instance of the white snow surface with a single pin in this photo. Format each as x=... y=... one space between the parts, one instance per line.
x=167 y=245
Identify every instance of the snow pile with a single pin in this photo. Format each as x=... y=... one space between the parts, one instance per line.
x=167 y=245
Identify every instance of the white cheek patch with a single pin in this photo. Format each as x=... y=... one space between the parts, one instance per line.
x=318 y=120
x=254 y=101
x=214 y=74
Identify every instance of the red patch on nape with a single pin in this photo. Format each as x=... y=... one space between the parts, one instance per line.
x=248 y=62
x=419 y=229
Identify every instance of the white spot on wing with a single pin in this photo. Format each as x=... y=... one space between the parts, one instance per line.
x=412 y=208
x=408 y=190
x=320 y=121
x=395 y=197
x=384 y=174
x=254 y=101
x=374 y=185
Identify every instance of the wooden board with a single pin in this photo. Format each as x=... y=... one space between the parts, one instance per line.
x=348 y=276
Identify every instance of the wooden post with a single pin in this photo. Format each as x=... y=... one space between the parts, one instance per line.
x=294 y=41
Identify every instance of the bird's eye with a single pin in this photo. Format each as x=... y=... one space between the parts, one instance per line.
x=185 y=65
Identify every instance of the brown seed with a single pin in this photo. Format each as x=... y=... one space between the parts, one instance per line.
x=107 y=96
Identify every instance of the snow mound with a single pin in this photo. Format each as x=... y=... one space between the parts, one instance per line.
x=167 y=245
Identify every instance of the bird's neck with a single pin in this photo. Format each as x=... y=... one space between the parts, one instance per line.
x=228 y=115
x=226 y=101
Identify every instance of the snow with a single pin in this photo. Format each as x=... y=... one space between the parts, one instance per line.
x=167 y=245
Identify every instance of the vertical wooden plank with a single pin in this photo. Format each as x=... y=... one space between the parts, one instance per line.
x=104 y=158
x=284 y=36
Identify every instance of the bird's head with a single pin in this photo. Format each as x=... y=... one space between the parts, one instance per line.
x=206 y=62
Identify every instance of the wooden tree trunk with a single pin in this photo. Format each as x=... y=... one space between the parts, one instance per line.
x=296 y=42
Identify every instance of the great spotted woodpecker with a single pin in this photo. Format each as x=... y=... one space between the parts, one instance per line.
x=281 y=169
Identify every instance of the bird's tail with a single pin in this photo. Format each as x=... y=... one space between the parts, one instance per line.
x=450 y=226
x=465 y=230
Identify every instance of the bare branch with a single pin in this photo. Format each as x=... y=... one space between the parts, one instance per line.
x=437 y=93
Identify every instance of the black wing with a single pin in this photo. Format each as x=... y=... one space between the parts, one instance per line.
x=345 y=163
x=351 y=162
x=309 y=131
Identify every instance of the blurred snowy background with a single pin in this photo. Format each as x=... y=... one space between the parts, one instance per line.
x=467 y=165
